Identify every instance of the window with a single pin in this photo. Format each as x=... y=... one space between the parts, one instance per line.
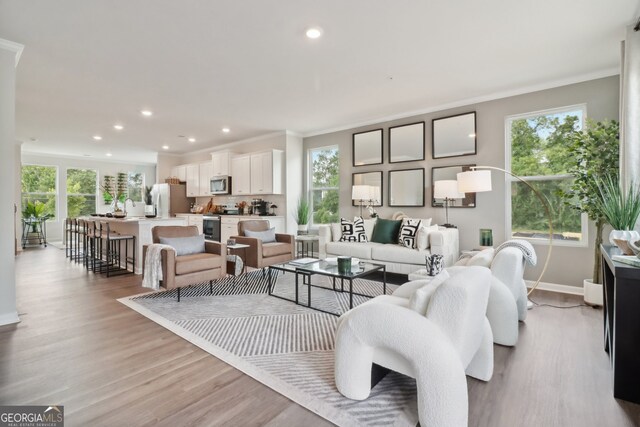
x=135 y=184
x=324 y=184
x=40 y=186
x=81 y=192
x=537 y=145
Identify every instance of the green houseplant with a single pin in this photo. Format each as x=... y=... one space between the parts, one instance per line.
x=620 y=208
x=302 y=214
x=35 y=211
x=593 y=154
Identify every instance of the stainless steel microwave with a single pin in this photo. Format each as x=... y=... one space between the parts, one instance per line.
x=220 y=185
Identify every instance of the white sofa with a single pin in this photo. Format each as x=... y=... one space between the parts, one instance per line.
x=397 y=258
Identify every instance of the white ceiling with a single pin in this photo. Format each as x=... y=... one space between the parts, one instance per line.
x=201 y=65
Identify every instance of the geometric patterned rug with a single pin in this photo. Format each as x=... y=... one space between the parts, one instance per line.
x=288 y=347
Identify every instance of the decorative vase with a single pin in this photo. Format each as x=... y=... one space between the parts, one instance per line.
x=629 y=235
x=150 y=211
x=303 y=227
x=592 y=293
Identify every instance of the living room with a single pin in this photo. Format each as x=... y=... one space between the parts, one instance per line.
x=142 y=90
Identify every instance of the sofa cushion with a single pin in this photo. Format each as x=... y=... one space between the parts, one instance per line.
x=275 y=248
x=482 y=258
x=336 y=232
x=358 y=250
x=422 y=242
x=398 y=254
x=267 y=236
x=197 y=262
x=386 y=231
x=353 y=231
x=409 y=232
x=419 y=301
x=369 y=225
x=185 y=245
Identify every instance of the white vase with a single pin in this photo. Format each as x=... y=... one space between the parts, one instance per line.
x=629 y=235
x=592 y=293
x=303 y=227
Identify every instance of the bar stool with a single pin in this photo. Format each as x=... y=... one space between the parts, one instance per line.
x=92 y=245
x=115 y=244
x=80 y=243
x=69 y=230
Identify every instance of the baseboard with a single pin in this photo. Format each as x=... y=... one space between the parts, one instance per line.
x=554 y=287
x=9 y=318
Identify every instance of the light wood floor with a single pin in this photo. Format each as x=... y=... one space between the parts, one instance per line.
x=77 y=346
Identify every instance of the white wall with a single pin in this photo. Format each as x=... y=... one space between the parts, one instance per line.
x=569 y=265
x=164 y=164
x=54 y=228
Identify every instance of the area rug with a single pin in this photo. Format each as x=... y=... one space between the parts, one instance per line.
x=288 y=347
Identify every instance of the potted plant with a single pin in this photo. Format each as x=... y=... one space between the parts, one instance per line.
x=34 y=211
x=149 y=208
x=621 y=209
x=594 y=154
x=302 y=215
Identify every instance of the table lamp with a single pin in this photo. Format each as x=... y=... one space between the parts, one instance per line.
x=447 y=189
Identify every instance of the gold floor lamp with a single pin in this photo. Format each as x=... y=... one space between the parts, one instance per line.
x=477 y=181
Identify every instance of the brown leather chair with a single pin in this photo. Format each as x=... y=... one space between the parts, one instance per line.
x=185 y=270
x=260 y=255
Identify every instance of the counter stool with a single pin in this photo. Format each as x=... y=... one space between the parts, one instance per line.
x=93 y=245
x=115 y=244
x=69 y=237
x=80 y=242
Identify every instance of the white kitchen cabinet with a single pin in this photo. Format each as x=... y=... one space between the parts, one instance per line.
x=193 y=180
x=228 y=227
x=180 y=172
x=241 y=175
x=266 y=172
x=205 y=173
x=221 y=163
x=193 y=219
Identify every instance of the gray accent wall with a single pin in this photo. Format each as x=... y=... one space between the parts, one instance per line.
x=568 y=265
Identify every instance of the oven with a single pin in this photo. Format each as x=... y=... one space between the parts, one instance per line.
x=220 y=185
x=211 y=227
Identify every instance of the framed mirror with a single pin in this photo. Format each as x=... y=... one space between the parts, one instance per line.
x=367 y=148
x=368 y=178
x=450 y=173
x=454 y=136
x=406 y=187
x=406 y=143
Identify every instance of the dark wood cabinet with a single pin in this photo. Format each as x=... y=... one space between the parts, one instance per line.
x=622 y=324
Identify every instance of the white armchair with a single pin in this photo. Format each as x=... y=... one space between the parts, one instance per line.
x=436 y=349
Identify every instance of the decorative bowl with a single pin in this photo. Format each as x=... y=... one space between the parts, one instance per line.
x=334 y=261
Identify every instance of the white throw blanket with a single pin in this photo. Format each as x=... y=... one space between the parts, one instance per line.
x=528 y=252
x=153 y=265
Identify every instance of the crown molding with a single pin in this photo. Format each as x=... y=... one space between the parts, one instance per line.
x=229 y=145
x=464 y=102
x=91 y=159
x=14 y=47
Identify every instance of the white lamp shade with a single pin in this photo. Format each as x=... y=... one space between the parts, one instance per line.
x=474 y=181
x=446 y=189
x=360 y=192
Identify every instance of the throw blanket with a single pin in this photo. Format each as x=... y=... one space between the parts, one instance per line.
x=528 y=252
x=153 y=266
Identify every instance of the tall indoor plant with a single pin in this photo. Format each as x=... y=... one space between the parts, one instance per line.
x=620 y=208
x=302 y=214
x=594 y=154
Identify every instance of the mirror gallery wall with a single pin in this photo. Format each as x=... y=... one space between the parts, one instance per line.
x=601 y=98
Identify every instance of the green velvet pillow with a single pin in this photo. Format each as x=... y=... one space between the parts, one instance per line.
x=386 y=231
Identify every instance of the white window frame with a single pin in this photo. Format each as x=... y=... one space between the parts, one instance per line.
x=584 y=220
x=142 y=188
x=310 y=187
x=57 y=193
x=67 y=194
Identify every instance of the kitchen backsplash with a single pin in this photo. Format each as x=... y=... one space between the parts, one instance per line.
x=278 y=200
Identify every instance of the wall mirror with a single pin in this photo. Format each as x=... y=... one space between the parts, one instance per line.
x=406 y=143
x=368 y=178
x=367 y=148
x=454 y=136
x=447 y=173
x=406 y=187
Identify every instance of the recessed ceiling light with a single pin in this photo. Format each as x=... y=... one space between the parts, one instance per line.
x=118 y=127
x=314 y=33
x=165 y=147
x=109 y=154
x=226 y=130
x=87 y=155
x=191 y=140
x=97 y=137
x=146 y=113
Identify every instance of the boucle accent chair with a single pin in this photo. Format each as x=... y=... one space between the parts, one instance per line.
x=436 y=349
x=261 y=254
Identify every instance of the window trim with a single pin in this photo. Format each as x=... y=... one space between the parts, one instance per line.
x=508 y=179
x=311 y=188
x=142 y=187
x=67 y=194
x=56 y=194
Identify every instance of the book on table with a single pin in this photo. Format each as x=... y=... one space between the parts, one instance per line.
x=303 y=261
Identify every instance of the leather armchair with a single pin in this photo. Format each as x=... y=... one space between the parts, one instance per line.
x=259 y=254
x=185 y=270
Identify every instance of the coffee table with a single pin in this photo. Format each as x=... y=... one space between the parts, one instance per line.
x=324 y=268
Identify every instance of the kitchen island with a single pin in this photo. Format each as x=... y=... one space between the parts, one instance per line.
x=140 y=227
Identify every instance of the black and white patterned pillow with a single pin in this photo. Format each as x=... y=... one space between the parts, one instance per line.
x=353 y=231
x=409 y=232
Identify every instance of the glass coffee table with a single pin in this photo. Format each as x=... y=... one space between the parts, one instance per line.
x=323 y=268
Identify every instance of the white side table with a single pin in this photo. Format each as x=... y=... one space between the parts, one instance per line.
x=231 y=252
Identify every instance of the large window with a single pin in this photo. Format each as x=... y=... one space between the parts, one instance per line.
x=538 y=147
x=39 y=186
x=81 y=192
x=324 y=184
x=135 y=184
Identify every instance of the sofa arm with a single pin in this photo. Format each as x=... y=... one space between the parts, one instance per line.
x=218 y=248
x=285 y=238
x=324 y=236
x=445 y=242
x=254 y=251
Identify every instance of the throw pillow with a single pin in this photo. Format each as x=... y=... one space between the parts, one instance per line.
x=185 y=245
x=353 y=231
x=369 y=225
x=419 y=301
x=386 y=231
x=482 y=258
x=267 y=236
x=422 y=242
x=336 y=232
x=409 y=232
